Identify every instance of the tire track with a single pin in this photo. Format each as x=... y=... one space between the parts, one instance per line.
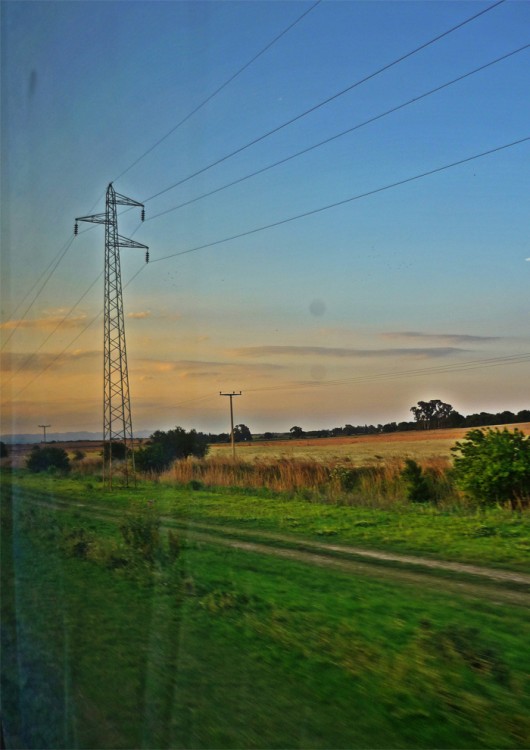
x=343 y=558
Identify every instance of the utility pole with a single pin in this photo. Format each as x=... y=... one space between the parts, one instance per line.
x=117 y=422
x=232 y=438
x=44 y=426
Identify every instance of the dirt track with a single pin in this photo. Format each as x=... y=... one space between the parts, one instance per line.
x=499 y=586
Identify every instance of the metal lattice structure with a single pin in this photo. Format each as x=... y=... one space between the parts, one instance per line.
x=117 y=421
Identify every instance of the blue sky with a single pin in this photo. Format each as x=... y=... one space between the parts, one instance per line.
x=429 y=275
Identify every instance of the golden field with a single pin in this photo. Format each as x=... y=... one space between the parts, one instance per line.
x=361 y=450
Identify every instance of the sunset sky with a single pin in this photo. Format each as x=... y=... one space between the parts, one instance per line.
x=348 y=315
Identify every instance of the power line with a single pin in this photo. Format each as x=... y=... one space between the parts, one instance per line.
x=294 y=218
x=163 y=138
x=23 y=299
x=341 y=134
x=325 y=101
x=48 y=337
x=262 y=137
x=512 y=359
x=77 y=336
x=307 y=150
x=57 y=260
x=219 y=89
x=344 y=201
x=48 y=277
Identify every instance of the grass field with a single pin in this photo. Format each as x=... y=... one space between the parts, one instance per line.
x=207 y=646
x=176 y=614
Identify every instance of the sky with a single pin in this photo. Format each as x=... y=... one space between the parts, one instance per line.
x=349 y=314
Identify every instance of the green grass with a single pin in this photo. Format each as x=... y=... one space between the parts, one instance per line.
x=230 y=649
x=494 y=536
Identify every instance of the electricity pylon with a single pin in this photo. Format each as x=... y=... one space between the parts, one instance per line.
x=117 y=422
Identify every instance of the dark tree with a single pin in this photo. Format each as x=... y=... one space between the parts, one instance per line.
x=4 y=451
x=242 y=433
x=49 y=457
x=296 y=432
x=119 y=451
x=165 y=447
x=432 y=414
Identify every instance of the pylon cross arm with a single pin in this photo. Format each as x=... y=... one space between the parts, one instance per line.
x=123 y=200
x=94 y=219
x=124 y=242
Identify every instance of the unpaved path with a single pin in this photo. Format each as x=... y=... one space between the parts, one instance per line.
x=493 y=592
x=353 y=551
x=345 y=558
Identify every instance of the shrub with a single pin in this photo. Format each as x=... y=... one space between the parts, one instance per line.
x=79 y=455
x=165 y=447
x=346 y=479
x=493 y=466
x=49 y=457
x=4 y=451
x=141 y=533
x=416 y=487
x=119 y=451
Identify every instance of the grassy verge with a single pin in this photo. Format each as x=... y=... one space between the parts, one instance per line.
x=494 y=536
x=230 y=649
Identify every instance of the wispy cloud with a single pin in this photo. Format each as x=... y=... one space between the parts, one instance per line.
x=203 y=369
x=341 y=352
x=448 y=338
x=139 y=315
x=29 y=362
x=45 y=323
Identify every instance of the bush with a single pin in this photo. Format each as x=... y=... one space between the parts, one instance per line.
x=141 y=532
x=165 y=447
x=49 y=457
x=4 y=451
x=416 y=486
x=493 y=466
x=119 y=451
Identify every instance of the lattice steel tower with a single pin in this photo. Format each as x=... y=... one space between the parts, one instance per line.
x=117 y=422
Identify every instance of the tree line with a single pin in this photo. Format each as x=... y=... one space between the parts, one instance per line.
x=428 y=415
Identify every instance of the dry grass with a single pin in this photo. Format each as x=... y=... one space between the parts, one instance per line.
x=279 y=475
x=335 y=481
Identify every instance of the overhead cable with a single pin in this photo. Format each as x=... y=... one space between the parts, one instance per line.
x=77 y=336
x=344 y=201
x=48 y=277
x=325 y=101
x=220 y=88
x=341 y=134
x=59 y=324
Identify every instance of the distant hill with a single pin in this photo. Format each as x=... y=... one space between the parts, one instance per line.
x=61 y=437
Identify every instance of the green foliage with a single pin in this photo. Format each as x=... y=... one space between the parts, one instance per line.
x=4 y=451
x=416 y=486
x=432 y=414
x=141 y=532
x=119 y=451
x=242 y=434
x=493 y=466
x=347 y=479
x=165 y=447
x=467 y=643
x=49 y=457
x=173 y=543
